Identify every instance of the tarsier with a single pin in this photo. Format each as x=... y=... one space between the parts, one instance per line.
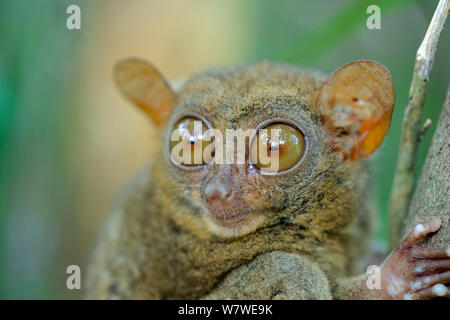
x=224 y=230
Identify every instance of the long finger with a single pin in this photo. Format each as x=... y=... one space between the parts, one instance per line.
x=420 y=231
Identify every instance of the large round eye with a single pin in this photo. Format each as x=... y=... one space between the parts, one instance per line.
x=189 y=144
x=277 y=147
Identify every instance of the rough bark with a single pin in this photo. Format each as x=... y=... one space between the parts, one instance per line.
x=432 y=197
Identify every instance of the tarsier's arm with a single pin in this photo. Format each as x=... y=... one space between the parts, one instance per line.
x=275 y=275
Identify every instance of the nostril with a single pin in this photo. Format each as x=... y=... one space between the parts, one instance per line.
x=229 y=195
x=212 y=197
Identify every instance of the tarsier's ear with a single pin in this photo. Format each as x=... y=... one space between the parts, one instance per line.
x=147 y=88
x=357 y=102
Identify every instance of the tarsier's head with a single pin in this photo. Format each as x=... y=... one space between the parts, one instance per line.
x=254 y=146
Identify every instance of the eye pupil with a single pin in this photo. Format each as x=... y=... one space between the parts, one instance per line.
x=274 y=148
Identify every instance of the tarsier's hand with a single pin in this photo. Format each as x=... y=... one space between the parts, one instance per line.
x=414 y=272
x=274 y=275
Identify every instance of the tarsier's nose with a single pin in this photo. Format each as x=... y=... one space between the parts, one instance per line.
x=218 y=192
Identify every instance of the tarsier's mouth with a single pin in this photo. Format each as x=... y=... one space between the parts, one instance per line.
x=232 y=219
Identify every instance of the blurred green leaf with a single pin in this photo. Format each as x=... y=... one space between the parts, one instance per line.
x=322 y=38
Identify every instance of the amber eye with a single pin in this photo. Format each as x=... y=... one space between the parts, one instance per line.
x=189 y=142
x=277 y=147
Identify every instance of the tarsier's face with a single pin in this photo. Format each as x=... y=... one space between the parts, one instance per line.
x=232 y=170
x=245 y=144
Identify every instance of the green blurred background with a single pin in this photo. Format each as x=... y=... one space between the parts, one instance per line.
x=68 y=140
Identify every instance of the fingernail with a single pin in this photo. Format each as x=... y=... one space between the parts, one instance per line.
x=439 y=290
x=419 y=229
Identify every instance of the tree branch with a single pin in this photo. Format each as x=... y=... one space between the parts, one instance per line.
x=403 y=185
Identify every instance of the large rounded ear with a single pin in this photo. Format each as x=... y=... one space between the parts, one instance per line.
x=357 y=102
x=146 y=87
